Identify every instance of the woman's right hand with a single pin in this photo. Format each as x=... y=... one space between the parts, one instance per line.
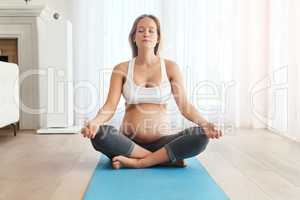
x=90 y=129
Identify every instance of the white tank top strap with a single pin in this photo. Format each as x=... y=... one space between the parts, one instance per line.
x=130 y=71
x=163 y=70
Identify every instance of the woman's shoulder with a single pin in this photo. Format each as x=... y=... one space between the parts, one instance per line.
x=171 y=66
x=122 y=67
x=170 y=63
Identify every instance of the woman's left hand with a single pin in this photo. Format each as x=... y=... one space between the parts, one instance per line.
x=212 y=131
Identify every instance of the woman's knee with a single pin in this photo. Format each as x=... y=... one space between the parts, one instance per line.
x=192 y=142
x=201 y=139
x=111 y=142
x=100 y=138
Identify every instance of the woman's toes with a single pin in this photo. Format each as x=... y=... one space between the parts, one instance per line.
x=116 y=165
x=124 y=161
x=116 y=158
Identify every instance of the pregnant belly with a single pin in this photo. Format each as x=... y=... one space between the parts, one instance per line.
x=145 y=123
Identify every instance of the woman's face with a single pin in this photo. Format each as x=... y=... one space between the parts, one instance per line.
x=146 y=33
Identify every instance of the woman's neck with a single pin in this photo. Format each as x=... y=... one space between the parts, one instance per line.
x=146 y=57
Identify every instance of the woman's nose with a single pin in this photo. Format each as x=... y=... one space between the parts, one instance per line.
x=146 y=33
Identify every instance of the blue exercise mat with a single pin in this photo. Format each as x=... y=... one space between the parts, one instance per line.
x=155 y=183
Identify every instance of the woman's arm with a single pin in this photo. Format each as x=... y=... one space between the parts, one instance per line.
x=185 y=107
x=107 y=111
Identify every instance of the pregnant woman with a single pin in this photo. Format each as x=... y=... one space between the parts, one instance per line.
x=147 y=81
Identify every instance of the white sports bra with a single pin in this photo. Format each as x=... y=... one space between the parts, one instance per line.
x=135 y=94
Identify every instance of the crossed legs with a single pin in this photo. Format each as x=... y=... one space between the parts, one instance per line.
x=170 y=148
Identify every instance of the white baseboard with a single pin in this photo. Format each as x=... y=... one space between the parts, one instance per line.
x=71 y=130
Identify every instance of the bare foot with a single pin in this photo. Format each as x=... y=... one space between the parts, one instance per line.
x=178 y=163
x=122 y=161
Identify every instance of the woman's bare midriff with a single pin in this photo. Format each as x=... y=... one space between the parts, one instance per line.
x=145 y=123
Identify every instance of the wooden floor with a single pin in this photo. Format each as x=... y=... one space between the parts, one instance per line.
x=250 y=164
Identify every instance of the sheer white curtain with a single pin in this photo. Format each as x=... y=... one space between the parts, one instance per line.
x=222 y=47
x=284 y=115
x=294 y=70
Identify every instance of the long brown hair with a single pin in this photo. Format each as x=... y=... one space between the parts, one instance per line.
x=133 y=46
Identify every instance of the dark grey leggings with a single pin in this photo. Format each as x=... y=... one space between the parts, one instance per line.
x=184 y=144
